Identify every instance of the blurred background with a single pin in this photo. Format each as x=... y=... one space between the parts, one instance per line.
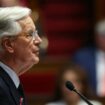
x=65 y=26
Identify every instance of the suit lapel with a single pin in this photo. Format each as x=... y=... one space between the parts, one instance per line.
x=13 y=91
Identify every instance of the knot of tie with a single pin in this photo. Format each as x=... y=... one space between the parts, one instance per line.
x=20 y=90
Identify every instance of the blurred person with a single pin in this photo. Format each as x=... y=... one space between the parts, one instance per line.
x=9 y=3
x=92 y=59
x=19 y=51
x=78 y=77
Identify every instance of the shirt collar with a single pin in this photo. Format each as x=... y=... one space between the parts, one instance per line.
x=11 y=73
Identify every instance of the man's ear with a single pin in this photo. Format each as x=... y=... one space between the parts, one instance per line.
x=7 y=44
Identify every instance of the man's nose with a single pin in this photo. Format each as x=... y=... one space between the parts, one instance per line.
x=37 y=39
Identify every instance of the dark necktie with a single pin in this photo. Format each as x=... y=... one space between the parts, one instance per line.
x=20 y=90
x=21 y=93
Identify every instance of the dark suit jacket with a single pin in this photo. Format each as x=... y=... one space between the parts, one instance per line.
x=9 y=95
x=87 y=59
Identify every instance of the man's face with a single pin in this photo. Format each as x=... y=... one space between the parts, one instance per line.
x=26 y=47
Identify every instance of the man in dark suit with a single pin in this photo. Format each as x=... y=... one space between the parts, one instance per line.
x=93 y=60
x=19 y=51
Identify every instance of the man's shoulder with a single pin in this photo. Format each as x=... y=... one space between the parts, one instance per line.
x=85 y=54
x=85 y=51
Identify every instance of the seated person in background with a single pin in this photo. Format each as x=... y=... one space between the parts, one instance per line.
x=63 y=96
x=92 y=59
x=9 y=3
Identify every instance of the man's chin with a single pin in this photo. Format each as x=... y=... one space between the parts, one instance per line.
x=36 y=60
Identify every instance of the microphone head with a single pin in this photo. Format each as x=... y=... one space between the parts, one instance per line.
x=70 y=86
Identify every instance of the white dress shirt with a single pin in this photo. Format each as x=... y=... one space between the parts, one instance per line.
x=11 y=73
x=100 y=72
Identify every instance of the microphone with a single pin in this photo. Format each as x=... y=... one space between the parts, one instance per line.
x=71 y=87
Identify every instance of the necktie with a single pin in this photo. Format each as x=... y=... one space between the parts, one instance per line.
x=20 y=90
x=21 y=93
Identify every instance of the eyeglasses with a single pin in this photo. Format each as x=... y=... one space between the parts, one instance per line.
x=29 y=35
x=32 y=34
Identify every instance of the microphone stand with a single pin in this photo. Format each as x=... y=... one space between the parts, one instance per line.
x=83 y=97
x=71 y=87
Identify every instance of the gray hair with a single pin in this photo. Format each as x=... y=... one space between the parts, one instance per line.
x=8 y=19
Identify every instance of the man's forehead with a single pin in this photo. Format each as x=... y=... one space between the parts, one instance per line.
x=26 y=23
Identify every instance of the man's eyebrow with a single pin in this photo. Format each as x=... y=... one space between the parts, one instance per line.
x=30 y=31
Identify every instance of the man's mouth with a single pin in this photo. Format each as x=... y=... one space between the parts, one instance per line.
x=36 y=52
